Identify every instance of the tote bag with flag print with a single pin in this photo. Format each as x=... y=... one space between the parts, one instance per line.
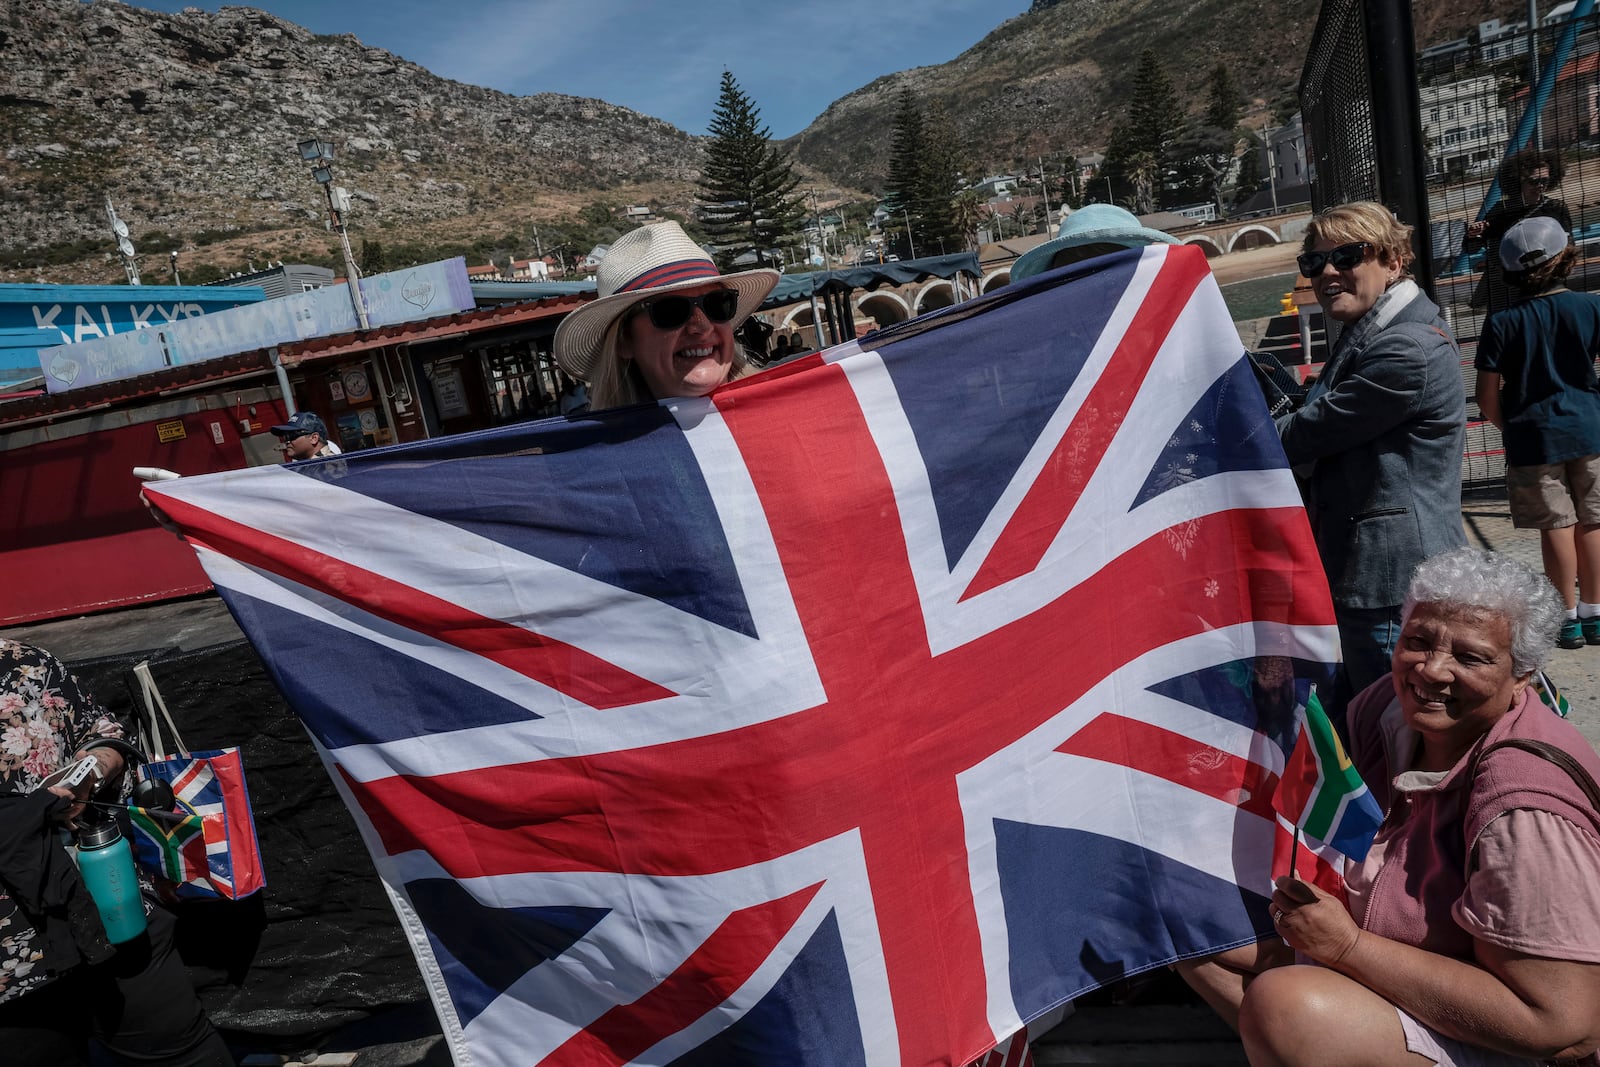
x=205 y=848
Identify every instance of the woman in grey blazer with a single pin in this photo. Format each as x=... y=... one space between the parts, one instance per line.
x=1378 y=440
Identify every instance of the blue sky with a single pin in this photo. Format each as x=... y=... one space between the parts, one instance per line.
x=662 y=57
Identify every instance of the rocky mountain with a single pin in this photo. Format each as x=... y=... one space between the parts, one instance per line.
x=1054 y=79
x=190 y=123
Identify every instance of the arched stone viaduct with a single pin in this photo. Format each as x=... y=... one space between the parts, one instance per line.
x=896 y=303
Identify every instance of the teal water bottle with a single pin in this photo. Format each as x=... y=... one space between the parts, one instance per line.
x=106 y=863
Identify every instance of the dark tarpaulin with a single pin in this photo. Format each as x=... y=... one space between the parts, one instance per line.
x=795 y=287
x=320 y=946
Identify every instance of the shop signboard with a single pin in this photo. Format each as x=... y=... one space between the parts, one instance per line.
x=397 y=296
x=34 y=317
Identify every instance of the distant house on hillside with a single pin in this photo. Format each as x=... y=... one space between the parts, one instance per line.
x=488 y=273
x=529 y=270
x=639 y=215
x=1000 y=185
x=591 y=262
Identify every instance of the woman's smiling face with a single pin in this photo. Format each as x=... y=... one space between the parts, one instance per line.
x=1452 y=672
x=690 y=360
x=1346 y=295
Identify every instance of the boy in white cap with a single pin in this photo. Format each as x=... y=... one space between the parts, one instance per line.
x=1537 y=383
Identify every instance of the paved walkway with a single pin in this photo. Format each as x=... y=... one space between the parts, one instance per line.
x=1577 y=670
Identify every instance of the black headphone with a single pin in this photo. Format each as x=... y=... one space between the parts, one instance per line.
x=153 y=793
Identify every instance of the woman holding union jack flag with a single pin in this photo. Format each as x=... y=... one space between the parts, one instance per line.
x=663 y=324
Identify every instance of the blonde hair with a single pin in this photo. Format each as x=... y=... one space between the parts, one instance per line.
x=617 y=382
x=1363 y=220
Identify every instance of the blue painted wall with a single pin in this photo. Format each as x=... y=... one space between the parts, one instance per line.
x=42 y=316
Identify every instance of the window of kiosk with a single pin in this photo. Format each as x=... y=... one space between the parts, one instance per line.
x=359 y=417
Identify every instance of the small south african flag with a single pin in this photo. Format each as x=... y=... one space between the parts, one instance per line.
x=1320 y=791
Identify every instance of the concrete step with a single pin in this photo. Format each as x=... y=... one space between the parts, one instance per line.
x=1132 y=1035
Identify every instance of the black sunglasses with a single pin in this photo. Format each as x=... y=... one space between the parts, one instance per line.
x=1343 y=258
x=670 y=312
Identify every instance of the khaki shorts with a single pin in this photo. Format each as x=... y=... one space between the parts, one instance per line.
x=1553 y=496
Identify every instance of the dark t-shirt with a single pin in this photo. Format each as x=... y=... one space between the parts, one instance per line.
x=1492 y=290
x=1505 y=216
x=1544 y=350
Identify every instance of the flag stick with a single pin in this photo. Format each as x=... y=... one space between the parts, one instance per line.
x=1294 y=854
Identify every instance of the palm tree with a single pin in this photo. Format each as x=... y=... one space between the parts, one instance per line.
x=969 y=215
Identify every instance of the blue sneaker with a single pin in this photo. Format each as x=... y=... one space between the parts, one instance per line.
x=1591 y=629
x=1571 y=635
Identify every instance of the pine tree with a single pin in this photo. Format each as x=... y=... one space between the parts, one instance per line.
x=746 y=189
x=908 y=145
x=1139 y=152
x=1222 y=99
x=1154 y=107
x=943 y=166
x=1204 y=154
x=926 y=163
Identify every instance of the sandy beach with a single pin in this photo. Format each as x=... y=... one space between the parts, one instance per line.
x=1255 y=263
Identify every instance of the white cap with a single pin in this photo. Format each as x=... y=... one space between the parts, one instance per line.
x=1533 y=241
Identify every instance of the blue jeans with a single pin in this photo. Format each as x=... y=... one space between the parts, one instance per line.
x=1368 y=636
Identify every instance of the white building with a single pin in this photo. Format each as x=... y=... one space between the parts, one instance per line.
x=1286 y=153
x=998 y=185
x=1464 y=126
x=1501 y=40
x=1206 y=212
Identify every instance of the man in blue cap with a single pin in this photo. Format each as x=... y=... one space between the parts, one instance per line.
x=305 y=436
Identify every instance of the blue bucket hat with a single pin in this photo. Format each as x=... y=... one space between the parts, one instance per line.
x=300 y=423
x=1092 y=224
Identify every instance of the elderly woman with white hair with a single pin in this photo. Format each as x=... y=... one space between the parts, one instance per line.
x=663 y=323
x=1472 y=930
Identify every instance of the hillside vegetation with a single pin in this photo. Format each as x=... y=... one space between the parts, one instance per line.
x=189 y=123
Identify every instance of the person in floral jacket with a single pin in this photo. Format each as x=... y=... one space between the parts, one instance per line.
x=61 y=982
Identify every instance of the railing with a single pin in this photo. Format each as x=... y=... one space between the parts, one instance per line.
x=1471 y=96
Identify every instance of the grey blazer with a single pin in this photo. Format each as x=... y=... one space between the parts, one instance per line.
x=1381 y=432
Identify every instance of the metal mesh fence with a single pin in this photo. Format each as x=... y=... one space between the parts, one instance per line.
x=1474 y=93
x=1336 y=107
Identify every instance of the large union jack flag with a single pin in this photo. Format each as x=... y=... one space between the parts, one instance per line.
x=857 y=714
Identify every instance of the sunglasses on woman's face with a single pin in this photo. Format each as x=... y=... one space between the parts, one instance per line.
x=671 y=312
x=1343 y=258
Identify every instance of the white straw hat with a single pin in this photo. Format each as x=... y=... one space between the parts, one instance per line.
x=644 y=263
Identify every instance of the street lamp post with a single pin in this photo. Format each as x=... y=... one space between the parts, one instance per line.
x=1272 y=168
x=911 y=245
x=1044 y=187
x=320 y=153
x=174 y=255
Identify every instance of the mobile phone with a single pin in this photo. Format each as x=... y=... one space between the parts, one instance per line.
x=72 y=776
